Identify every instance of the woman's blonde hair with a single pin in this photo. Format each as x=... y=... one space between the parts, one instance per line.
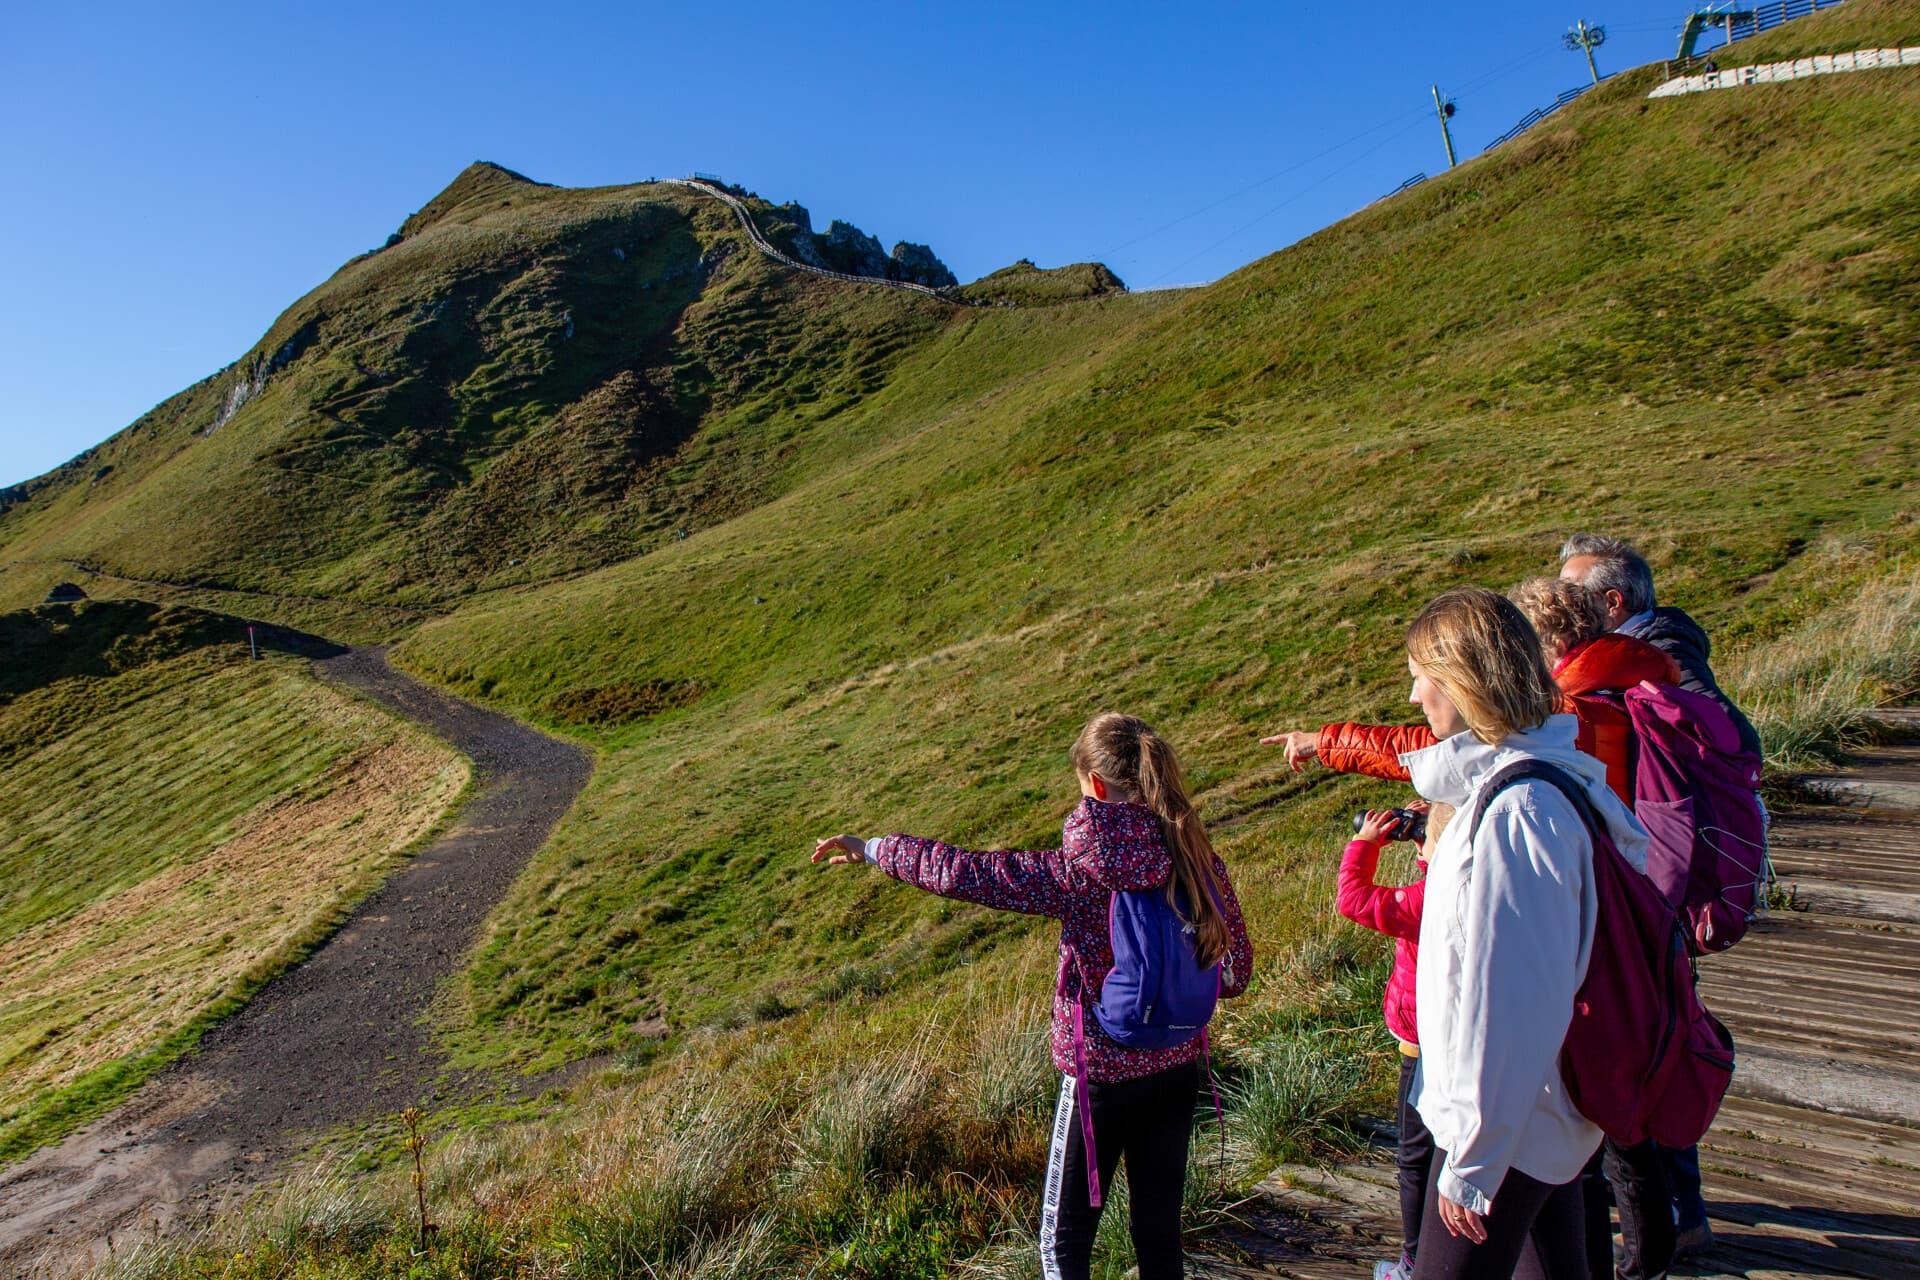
x=1479 y=648
x=1564 y=614
x=1124 y=751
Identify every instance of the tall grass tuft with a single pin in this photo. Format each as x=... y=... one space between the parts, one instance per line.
x=1295 y=1098
x=1808 y=692
x=1010 y=1081
x=880 y=1118
x=663 y=1197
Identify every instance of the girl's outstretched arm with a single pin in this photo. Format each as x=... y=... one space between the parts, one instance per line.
x=1108 y=847
x=1038 y=881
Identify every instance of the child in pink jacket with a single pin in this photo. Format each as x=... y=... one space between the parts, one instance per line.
x=1395 y=911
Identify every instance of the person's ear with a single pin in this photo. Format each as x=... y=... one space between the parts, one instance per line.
x=1099 y=786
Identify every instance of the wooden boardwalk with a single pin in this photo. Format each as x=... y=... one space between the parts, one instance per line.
x=1813 y=1167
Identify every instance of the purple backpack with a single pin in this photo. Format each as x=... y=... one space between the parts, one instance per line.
x=1643 y=1058
x=1156 y=996
x=1696 y=791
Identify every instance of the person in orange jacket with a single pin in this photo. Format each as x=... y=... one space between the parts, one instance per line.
x=1585 y=657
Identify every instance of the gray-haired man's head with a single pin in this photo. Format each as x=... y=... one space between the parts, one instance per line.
x=1611 y=568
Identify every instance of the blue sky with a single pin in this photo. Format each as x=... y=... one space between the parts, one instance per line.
x=178 y=175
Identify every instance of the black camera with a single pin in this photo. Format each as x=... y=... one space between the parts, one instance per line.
x=1408 y=824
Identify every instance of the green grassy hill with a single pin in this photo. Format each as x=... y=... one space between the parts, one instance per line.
x=798 y=556
x=1691 y=319
x=530 y=381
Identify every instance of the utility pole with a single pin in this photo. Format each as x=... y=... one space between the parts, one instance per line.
x=1443 y=107
x=1586 y=37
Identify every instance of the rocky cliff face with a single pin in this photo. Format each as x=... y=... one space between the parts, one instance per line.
x=845 y=247
x=917 y=263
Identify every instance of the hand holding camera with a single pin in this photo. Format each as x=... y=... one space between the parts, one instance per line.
x=1384 y=825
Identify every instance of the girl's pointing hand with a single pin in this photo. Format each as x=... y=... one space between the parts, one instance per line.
x=838 y=850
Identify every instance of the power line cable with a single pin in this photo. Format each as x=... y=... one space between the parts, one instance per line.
x=1485 y=78
x=1255 y=186
x=1298 y=192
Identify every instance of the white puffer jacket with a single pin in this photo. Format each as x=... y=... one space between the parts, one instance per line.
x=1504 y=944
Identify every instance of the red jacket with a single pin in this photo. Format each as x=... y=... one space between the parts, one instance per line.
x=1107 y=848
x=1613 y=661
x=1394 y=911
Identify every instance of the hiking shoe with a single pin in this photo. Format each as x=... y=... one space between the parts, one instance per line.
x=1401 y=1268
x=1693 y=1242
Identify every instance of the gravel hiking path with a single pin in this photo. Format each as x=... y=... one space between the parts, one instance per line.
x=334 y=1039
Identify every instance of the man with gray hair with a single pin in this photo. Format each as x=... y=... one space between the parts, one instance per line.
x=1622 y=578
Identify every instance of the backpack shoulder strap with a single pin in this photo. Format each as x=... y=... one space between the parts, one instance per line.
x=1520 y=771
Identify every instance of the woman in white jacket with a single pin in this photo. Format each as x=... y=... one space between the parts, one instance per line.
x=1504 y=944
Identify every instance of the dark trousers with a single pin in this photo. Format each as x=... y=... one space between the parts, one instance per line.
x=1148 y=1121
x=1536 y=1231
x=1415 y=1158
x=1634 y=1181
x=1683 y=1172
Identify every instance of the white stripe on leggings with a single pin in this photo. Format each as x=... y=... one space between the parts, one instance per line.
x=1056 y=1180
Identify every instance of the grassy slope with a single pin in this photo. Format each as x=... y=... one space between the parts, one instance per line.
x=176 y=825
x=1217 y=509
x=1691 y=319
x=534 y=381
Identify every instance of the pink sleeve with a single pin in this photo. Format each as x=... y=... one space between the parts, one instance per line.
x=1038 y=882
x=1394 y=911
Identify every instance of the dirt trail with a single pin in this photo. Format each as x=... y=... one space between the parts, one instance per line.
x=334 y=1039
x=1813 y=1166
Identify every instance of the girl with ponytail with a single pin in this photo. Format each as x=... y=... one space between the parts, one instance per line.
x=1135 y=830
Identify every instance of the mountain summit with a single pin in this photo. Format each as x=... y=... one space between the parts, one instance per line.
x=496 y=394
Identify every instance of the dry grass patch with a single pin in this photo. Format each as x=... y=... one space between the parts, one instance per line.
x=192 y=904
x=1809 y=692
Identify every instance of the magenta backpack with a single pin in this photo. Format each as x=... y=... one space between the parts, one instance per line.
x=1643 y=1058
x=1696 y=791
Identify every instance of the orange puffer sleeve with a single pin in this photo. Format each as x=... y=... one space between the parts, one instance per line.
x=1372 y=749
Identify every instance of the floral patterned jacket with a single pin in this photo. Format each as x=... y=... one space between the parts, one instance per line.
x=1106 y=848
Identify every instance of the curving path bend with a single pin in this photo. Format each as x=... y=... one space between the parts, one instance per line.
x=334 y=1039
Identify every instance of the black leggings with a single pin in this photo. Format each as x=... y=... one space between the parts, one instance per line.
x=1415 y=1159
x=1536 y=1231
x=1149 y=1121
